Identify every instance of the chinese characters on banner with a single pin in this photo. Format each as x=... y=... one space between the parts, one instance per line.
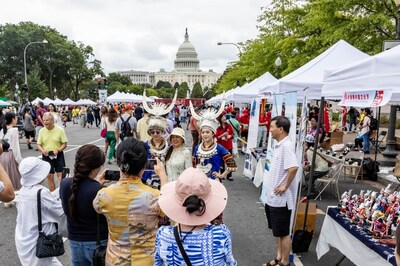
x=366 y=98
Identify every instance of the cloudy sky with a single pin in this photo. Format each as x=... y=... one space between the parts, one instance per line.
x=145 y=34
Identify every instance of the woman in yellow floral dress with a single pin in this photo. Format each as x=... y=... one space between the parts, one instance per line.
x=131 y=208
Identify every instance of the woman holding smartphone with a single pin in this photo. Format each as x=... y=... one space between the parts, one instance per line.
x=77 y=195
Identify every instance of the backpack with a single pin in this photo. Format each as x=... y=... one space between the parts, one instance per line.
x=126 y=130
x=373 y=125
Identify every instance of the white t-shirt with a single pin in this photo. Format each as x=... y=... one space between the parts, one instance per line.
x=284 y=157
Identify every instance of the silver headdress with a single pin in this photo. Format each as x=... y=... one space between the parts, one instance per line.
x=208 y=117
x=157 y=110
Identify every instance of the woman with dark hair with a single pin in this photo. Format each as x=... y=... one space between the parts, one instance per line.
x=29 y=127
x=57 y=118
x=77 y=194
x=103 y=117
x=131 y=208
x=109 y=124
x=89 y=116
x=178 y=157
x=192 y=201
x=10 y=133
x=224 y=135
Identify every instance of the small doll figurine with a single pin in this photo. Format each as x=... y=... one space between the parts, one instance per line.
x=379 y=227
x=361 y=197
x=382 y=205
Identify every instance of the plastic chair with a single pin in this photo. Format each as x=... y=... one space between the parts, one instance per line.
x=353 y=161
x=332 y=178
x=374 y=142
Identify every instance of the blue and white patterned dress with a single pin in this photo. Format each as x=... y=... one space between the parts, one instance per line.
x=210 y=246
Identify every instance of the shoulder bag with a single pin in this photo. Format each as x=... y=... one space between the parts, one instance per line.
x=47 y=245
x=181 y=249
x=99 y=254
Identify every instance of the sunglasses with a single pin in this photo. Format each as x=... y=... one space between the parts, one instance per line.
x=155 y=132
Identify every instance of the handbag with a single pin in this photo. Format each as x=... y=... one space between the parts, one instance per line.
x=103 y=132
x=99 y=254
x=180 y=246
x=47 y=245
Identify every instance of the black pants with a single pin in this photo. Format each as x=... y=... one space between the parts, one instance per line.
x=98 y=120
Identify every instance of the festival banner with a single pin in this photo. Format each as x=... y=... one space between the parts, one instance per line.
x=276 y=110
x=102 y=97
x=366 y=98
x=252 y=138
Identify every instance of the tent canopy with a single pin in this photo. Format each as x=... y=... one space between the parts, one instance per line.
x=311 y=75
x=253 y=89
x=68 y=101
x=126 y=97
x=58 y=102
x=379 y=72
x=36 y=101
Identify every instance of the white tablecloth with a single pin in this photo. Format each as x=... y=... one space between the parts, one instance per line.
x=334 y=235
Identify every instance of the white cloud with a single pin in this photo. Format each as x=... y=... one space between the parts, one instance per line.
x=145 y=34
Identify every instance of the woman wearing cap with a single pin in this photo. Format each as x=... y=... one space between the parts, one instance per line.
x=34 y=171
x=131 y=208
x=77 y=195
x=178 y=157
x=192 y=201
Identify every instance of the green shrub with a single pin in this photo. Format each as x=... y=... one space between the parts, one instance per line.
x=335 y=117
x=384 y=120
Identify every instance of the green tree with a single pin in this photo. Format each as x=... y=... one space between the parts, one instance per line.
x=151 y=92
x=117 y=77
x=176 y=85
x=197 y=91
x=182 y=90
x=160 y=84
x=37 y=87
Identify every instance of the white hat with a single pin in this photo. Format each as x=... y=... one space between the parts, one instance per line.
x=208 y=117
x=178 y=132
x=33 y=171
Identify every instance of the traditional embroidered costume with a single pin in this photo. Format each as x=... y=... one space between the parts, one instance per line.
x=211 y=159
x=156 y=122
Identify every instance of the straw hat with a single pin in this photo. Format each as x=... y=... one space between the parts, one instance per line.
x=178 y=132
x=33 y=171
x=193 y=182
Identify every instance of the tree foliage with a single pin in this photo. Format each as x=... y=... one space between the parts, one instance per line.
x=197 y=91
x=182 y=90
x=61 y=63
x=298 y=31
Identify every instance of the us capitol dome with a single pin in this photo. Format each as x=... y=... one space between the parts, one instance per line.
x=186 y=69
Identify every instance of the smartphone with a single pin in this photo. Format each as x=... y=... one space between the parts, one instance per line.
x=64 y=172
x=150 y=164
x=112 y=175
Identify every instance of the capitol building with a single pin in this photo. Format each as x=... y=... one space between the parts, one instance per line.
x=186 y=69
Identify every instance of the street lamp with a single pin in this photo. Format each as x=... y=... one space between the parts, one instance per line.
x=26 y=76
x=232 y=43
x=278 y=63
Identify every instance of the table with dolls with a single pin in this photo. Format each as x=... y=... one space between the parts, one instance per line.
x=362 y=227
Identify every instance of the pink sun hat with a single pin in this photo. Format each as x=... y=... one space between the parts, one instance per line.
x=193 y=182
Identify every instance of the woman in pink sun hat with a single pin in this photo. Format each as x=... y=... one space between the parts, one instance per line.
x=192 y=202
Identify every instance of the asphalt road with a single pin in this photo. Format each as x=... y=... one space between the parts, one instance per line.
x=253 y=243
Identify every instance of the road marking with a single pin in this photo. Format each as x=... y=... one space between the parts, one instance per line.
x=82 y=145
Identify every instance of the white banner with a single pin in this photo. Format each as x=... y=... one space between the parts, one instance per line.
x=102 y=96
x=249 y=168
x=366 y=98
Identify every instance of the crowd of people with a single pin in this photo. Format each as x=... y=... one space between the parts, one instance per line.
x=169 y=194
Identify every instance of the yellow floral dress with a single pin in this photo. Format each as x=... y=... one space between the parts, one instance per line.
x=132 y=213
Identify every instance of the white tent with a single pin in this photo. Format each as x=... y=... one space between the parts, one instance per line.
x=226 y=95
x=36 y=101
x=311 y=75
x=126 y=97
x=68 y=101
x=379 y=72
x=58 y=102
x=47 y=101
x=253 y=89
x=85 y=102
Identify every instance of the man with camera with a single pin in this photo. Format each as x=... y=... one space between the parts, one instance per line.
x=51 y=143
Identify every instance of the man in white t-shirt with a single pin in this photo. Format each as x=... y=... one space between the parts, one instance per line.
x=280 y=188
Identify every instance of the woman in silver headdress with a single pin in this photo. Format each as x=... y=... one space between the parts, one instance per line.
x=210 y=156
x=157 y=146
